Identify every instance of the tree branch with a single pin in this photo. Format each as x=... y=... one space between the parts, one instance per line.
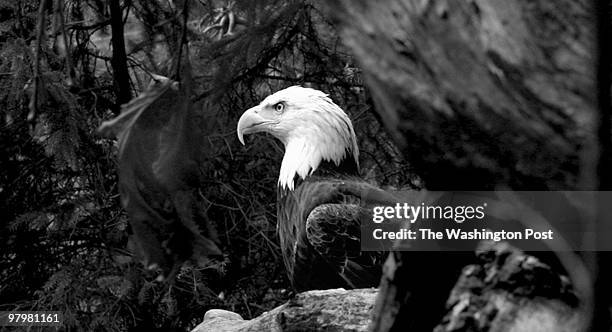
x=59 y=12
x=78 y=25
x=121 y=75
x=36 y=81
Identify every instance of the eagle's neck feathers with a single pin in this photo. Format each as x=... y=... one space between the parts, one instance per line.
x=329 y=143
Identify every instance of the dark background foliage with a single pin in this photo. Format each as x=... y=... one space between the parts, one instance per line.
x=63 y=232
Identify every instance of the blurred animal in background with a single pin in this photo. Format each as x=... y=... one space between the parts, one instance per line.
x=319 y=190
x=159 y=177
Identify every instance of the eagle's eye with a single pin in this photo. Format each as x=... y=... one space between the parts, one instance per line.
x=279 y=107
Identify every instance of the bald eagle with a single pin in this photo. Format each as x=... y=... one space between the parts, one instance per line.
x=318 y=204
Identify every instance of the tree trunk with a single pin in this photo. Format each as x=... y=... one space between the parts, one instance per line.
x=477 y=94
x=121 y=75
x=508 y=290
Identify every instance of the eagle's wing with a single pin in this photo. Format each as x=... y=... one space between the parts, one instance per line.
x=333 y=230
x=319 y=227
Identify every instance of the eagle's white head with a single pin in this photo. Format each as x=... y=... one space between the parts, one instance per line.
x=310 y=125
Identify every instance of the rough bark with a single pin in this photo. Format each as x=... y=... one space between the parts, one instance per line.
x=328 y=310
x=506 y=290
x=121 y=75
x=476 y=94
x=510 y=291
x=479 y=93
x=414 y=289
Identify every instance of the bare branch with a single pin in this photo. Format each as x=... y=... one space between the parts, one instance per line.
x=36 y=82
x=59 y=12
x=121 y=73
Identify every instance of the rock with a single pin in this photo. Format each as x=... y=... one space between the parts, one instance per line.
x=336 y=310
x=222 y=315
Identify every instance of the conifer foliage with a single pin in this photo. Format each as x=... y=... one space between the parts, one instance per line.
x=63 y=233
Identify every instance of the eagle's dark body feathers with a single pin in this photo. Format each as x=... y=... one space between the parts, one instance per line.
x=319 y=228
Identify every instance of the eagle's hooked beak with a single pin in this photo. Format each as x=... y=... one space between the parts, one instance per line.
x=251 y=122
